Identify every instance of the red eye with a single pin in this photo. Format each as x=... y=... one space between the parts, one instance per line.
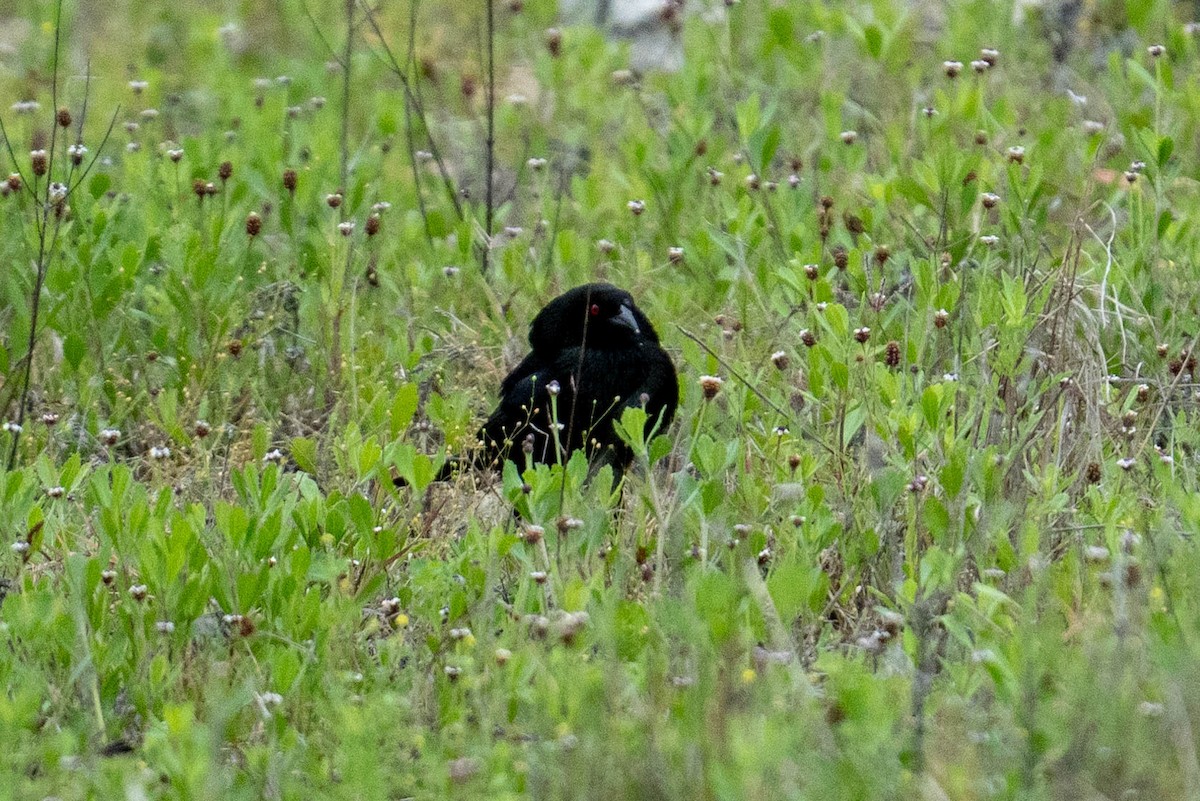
x=595 y=310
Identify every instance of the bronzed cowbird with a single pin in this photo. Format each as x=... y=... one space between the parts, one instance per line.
x=593 y=355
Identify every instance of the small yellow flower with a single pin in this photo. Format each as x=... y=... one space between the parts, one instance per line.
x=748 y=676
x=400 y=620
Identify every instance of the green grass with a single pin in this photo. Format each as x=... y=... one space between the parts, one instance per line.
x=933 y=537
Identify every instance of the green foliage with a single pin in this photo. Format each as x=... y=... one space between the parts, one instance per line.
x=929 y=535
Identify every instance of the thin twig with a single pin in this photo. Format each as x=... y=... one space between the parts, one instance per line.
x=413 y=95
x=491 y=133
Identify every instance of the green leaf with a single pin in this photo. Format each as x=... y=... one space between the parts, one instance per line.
x=99 y=185
x=74 y=350
x=304 y=451
x=404 y=406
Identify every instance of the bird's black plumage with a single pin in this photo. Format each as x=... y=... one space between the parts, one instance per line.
x=599 y=351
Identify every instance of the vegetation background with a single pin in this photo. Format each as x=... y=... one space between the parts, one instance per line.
x=925 y=524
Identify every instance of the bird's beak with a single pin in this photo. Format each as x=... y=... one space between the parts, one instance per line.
x=625 y=317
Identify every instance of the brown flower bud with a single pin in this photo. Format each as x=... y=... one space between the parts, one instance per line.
x=554 y=41
x=841 y=259
x=940 y=318
x=39 y=161
x=333 y=200
x=225 y=170
x=372 y=226
x=63 y=117
x=234 y=348
x=808 y=338
x=882 y=254
x=289 y=181
x=862 y=334
x=253 y=224
x=891 y=354
x=710 y=385
x=199 y=188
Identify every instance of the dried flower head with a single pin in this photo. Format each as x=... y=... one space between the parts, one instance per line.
x=1016 y=154
x=675 y=255
x=781 y=360
x=952 y=68
x=39 y=161
x=891 y=354
x=848 y=137
x=841 y=258
x=1156 y=50
x=862 y=334
x=940 y=318
x=289 y=181
x=710 y=385
x=636 y=207
x=989 y=200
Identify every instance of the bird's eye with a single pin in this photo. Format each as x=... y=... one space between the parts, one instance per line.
x=595 y=310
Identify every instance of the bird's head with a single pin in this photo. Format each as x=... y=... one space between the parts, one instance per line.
x=602 y=314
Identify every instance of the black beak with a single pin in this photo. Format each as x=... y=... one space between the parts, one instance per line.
x=625 y=317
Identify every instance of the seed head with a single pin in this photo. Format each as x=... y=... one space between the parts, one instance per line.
x=990 y=55
x=253 y=224
x=76 y=153
x=63 y=117
x=225 y=170
x=714 y=176
x=753 y=182
x=606 y=246
x=346 y=228
x=675 y=255
x=891 y=354
x=841 y=259
x=1016 y=154
x=989 y=200
x=13 y=182
x=980 y=66
x=781 y=360
x=554 y=41
x=808 y=337
x=289 y=181
x=636 y=207
x=940 y=318
x=1156 y=50
x=952 y=68
x=849 y=137
x=882 y=254
x=138 y=592
x=710 y=385
x=812 y=272
x=38 y=161
x=372 y=226
x=862 y=334
x=981 y=137
x=333 y=200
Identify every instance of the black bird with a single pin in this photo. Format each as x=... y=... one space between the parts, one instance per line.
x=594 y=355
